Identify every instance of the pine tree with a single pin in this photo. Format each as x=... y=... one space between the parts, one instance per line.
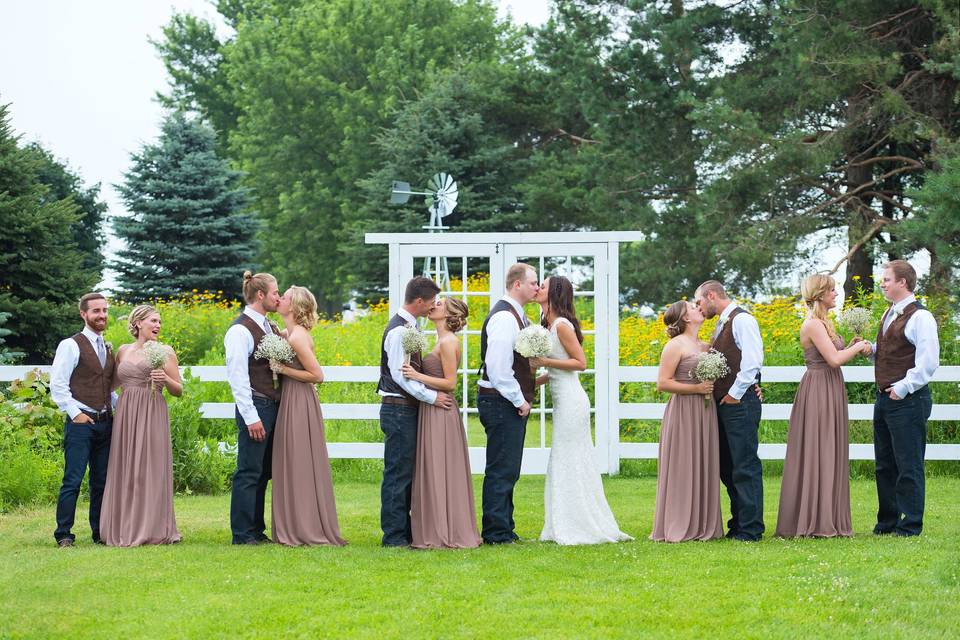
x=187 y=229
x=41 y=268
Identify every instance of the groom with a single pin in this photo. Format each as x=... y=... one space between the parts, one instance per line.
x=906 y=355
x=503 y=401
x=251 y=382
x=737 y=337
x=399 y=412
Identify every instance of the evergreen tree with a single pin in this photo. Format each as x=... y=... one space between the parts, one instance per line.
x=41 y=274
x=187 y=229
x=63 y=183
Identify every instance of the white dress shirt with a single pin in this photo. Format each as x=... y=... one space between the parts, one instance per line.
x=746 y=335
x=921 y=332
x=502 y=331
x=238 y=345
x=396 y=356
x=64 y=362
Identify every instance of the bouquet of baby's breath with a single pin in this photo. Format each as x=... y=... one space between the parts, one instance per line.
x=533 y=342
x=711 y=366
x=857 y=320
x=413 y=341
x=156 y=355
x=275 y=349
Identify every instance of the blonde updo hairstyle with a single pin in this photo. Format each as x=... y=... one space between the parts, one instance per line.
x=812 y=290
x=303 y=306
x=137 y=316
x=256 y=282
x=675 y=318
x=457 y=313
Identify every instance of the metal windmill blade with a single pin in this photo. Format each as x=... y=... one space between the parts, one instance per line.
x=443 y=200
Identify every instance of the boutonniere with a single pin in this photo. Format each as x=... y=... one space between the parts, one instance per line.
x=897 y=313
x=108 y=345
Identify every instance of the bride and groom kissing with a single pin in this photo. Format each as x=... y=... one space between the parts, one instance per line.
x=427 y=492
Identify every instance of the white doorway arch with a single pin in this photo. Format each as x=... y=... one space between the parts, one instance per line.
x=589 y=259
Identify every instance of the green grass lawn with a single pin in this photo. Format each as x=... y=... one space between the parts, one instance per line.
x=860 y=587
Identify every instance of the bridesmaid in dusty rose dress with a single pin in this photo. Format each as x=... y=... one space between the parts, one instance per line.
x=442 y=508
x=138 y=498
x=688 y=465
x=815 y=493
x=303 y=506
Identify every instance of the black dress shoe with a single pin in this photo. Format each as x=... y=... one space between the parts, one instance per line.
x=507 y=541
x=742 y=537
x=99 y=541
x=877 y=531
x=264 y=540
x=65 y=543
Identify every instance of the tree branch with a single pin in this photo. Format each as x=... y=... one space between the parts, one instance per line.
x=874 y=230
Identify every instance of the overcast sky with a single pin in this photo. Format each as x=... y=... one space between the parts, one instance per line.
x=80 y=78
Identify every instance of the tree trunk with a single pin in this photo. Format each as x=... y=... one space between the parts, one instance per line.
x=860 y=265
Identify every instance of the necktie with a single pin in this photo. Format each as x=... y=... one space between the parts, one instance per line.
x=889 y=319
x=101 y=352
x=716 y=329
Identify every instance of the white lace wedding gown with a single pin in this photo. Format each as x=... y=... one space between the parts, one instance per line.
x=575 y=508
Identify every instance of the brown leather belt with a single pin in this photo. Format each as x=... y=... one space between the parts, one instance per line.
x=403 y=401
x=488 y=391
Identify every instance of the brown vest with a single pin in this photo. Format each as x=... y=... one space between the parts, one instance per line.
x=725 y=344
x=895 y=355
x=521 y=365
x=90 y=383
x=261 y=377
x=386 y=383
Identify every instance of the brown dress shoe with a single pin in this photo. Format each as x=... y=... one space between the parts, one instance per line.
x=63 y=543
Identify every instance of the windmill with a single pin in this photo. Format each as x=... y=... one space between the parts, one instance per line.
x=441 y=201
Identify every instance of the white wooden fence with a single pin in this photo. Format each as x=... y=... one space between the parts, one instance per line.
x=622 y=411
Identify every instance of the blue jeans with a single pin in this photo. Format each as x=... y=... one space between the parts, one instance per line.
x=252 y=475
x=83 y=444
x=506 y=432
x=740 y=468
x=899 y=445
x=399 y=425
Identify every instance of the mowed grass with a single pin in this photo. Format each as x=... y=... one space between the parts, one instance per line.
x=860 y=587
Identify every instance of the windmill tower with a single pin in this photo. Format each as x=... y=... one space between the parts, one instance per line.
x=441 y=201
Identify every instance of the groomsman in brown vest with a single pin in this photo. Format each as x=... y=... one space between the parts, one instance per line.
x=257 y=400
x=400 y=411
x=81 y=381
x=503 y=401
x=737 y=337
x=906 y=354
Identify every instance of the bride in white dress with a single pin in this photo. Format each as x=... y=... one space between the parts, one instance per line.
x=575 y=508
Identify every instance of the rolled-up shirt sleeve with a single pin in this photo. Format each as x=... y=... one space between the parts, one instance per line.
x=921 y=332
x=746 y=333
x=238 y=345
x=395 y=359
x=502 y=333
x=64 y=362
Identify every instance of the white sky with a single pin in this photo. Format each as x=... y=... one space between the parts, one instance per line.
x=80 y=78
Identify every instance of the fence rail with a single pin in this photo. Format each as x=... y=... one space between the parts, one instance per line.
x=535 y=458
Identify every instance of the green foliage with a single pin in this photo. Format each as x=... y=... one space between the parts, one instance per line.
x=309 y=86
x=31 y=432
x=187 y=230
x=937 y=223
x=40 y=274
x=64 y=184
x=7 y=356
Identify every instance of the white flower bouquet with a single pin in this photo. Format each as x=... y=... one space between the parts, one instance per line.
x=156 y=354
x=857 y=320
x=275 y=349
x=711 y=366
x=413 y=341
x=533 y=342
